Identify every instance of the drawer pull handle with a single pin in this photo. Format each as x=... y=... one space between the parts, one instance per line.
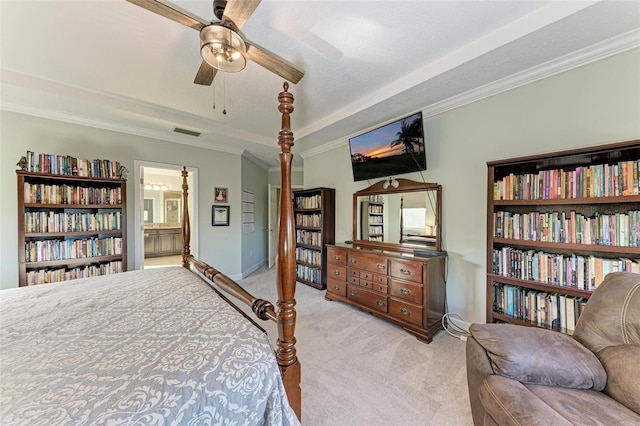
x=381 y=303
x=405 y=292
x=336 y=272
x=352 y=261
x=335 y=287
x=352 y=293
x=337 y=257
x=405 y=311
x=382 y=267
x=405 y=271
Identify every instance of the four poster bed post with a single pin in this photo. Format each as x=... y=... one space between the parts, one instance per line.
x=285 y=315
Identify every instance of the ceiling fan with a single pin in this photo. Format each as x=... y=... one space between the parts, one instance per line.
x=221 y=45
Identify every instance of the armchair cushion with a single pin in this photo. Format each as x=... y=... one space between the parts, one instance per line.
x=509 y=402
x=537 y=356
x=623 y=381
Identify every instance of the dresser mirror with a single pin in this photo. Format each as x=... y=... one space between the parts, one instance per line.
x=398 y=214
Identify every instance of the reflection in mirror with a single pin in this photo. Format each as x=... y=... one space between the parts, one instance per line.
x=405 y=216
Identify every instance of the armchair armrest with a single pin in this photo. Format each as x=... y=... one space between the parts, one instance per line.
x=538 y=356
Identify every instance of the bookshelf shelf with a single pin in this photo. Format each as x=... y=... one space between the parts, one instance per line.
x=314 y=213
x=70 y=226
x=557 y=223
x=578 y=248
x=74 y=262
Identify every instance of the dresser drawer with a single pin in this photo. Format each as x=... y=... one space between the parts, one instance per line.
x=380 y=287
x=367 y=298
x=371 y=263
x=380 y=279
x=337 y=287
x=406 y=269
x=365 y=284
x=405 y=311
x=406 y=290
x=336 y=272
x=336 y=256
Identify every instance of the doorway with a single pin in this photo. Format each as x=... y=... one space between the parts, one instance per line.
x=158 y=217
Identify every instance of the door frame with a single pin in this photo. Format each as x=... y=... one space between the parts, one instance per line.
x=138 y=196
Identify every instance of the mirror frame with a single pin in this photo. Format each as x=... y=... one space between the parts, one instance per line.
x=404 y=185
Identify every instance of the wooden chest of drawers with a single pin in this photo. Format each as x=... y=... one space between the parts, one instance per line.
x=407 y=290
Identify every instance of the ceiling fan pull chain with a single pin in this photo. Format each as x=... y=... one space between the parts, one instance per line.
x=224 y=93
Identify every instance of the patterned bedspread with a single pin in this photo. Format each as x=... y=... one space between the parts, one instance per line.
x=152 y=347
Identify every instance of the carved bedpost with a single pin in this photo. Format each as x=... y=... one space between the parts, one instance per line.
x=286 y=266
x=186 y=225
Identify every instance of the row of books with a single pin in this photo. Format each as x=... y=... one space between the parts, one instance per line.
x=601 y=180
x=376 y=219
x=72 y=166
x=537 y=307
x=310 y=220
x=51 y=221
x=49 y=250
x=69 y=194
x=375 y=229
x=375 y=238
x=308 y=273
x=376 y=198
x=581 y=272
x=311 y=238
x=46 y=276
x=375 y=209
x=308 y=202
x=306 y=255
x=618 y=229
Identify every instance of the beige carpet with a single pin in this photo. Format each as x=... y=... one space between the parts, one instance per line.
x=361 y=370
x=159 y=262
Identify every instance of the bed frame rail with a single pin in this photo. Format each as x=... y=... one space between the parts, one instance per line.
x=285 y=315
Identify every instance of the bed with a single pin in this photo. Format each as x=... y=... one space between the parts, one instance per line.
x=155 y=346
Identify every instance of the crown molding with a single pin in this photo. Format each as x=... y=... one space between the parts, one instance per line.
x=596 y=52
x=108 y=125
x=579 y=58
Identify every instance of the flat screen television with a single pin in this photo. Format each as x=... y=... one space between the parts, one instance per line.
x=393 y=149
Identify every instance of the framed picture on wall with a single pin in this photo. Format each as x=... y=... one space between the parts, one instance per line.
x=219 y=215
x=220 y=195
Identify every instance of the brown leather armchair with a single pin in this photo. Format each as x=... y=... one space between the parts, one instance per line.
x=520 y=375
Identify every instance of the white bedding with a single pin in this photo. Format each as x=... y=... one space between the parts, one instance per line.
x=143 y=347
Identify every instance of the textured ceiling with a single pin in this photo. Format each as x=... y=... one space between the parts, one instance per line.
x=114 y=65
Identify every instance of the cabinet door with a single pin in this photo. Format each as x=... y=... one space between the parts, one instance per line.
x=165 y=243
x=150 y=243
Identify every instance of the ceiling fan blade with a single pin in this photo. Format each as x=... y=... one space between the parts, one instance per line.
x=238 y=11
x=172 y=12
x=205 y=74
x=274 y=63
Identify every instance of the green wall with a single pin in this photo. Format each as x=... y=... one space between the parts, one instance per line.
x=595 y=104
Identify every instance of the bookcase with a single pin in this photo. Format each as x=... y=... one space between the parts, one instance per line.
x=556 y=225
x=372 y=220
x=70 y=226
x=314 y=211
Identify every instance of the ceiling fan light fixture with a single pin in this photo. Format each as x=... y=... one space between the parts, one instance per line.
x=222 y=48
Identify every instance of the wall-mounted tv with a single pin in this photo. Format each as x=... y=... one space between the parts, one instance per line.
x=393 y=149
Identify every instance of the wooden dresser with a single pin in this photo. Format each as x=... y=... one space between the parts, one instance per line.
x=405 y=289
